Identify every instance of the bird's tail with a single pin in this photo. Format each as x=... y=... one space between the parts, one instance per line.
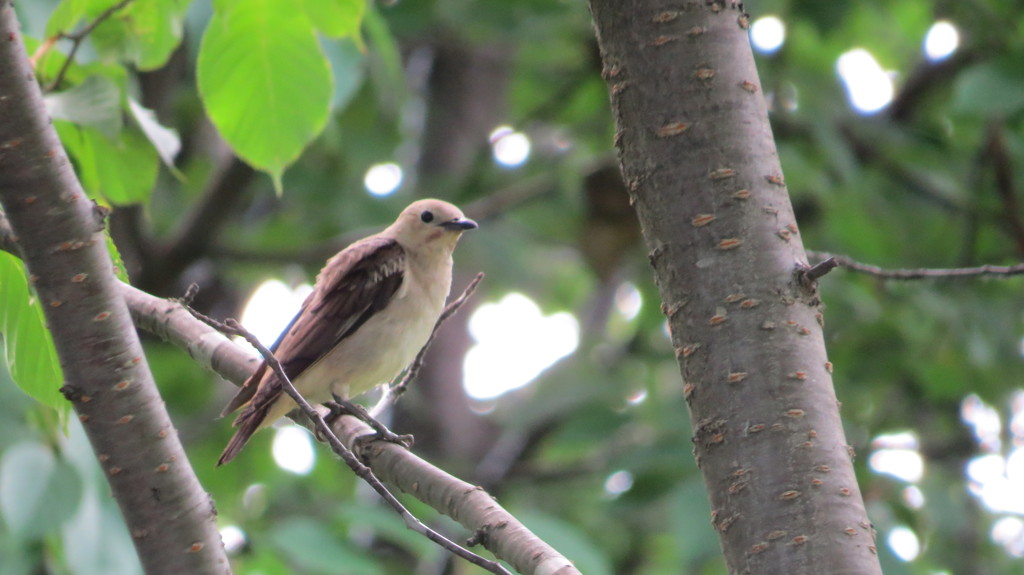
x=247 y=423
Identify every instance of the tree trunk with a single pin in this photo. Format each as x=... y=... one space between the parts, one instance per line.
x=60 y=233
x=701 y=168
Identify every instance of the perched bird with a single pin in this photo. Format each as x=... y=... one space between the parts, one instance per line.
x=373 y=307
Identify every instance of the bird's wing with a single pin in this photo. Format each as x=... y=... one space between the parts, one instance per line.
x=355 y=284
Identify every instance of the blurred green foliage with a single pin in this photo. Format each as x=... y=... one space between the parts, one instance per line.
x=933 y=180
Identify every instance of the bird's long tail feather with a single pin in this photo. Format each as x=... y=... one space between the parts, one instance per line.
x=247 y=423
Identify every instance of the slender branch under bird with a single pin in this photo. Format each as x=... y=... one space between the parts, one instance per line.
x=232 y=327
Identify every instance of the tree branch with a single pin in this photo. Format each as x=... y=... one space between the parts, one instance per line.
x=232 y=327
x=506 y=537
x=201 y=225
x=919 y=273
x=925 y=80
x=76 y=41
x=170 y=517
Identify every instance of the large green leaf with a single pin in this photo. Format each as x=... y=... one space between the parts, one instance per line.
x=143 y=33
x=37 y=490
x=123 y=171
x=28 y=348
x=336 y=18
x=264 y=81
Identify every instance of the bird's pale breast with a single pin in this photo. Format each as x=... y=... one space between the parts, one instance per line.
x=385 y=344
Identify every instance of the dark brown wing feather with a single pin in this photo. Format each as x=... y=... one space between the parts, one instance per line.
x=354 y=285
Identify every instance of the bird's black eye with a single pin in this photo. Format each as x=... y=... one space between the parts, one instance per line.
x=427 y=216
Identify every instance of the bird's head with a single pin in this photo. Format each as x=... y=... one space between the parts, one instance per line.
x=430 y=224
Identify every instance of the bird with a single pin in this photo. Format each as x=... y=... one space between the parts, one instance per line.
x=372 y=308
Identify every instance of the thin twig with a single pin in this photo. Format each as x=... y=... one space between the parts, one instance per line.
x=78 y=37
x=43 y=48
x=390 y=393
x=232 y=327
x=921 y=273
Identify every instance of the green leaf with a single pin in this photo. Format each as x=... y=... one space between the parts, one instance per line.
x=95 y=102
x=264 y=81
x=121 y=172
x=96 y=536
x=336 y=18
x=312 y=546
x=28 y=347
x=347 y=67
x=66 y=15
x=115 y=257
x=165 y=140
x=143 y=33
x=388 y=526
x=391 y=88
x=990 y=89
x=38 y=492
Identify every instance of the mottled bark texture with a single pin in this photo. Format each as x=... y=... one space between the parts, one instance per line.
x=702 y=170
x=60 y=236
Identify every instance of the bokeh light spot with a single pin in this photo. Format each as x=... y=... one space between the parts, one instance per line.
x=767 y=34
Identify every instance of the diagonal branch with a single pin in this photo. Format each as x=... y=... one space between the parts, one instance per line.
x=475 y=509
x=192 y=240
x=232 y=327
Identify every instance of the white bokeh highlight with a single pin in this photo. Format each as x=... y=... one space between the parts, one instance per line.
x=1009 y=532
x=896 y=454
x=904 y=543
x=233 y=538
x=618 y=483
x=868 y=86
x=515 y=342
x=767 y=34
x=383 y=179
x=270 y=308
x=509 y=147
x=904 y=464
x=293 y=450
x=941 y=41
x=628 y=301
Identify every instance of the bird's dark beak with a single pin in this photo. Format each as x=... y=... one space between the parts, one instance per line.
x=460 y=224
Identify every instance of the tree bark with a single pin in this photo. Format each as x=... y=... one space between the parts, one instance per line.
x=701 y=168
x=60 y=234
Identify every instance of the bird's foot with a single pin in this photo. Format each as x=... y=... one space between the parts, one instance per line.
x=341 y=406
